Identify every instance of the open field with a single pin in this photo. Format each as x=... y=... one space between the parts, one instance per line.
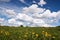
x=29 y=33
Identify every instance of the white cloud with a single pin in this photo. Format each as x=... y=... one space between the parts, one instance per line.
x=33 y=9
x=45 y=15
x=42 y=2
x=20 y=23
x=9 y=13
x=23 y=1
x=24 y=17
x=38 y=21
x=1 y=20
x=11 y=21
x=33 y=16
x=14 y=22
x=5 y=0
x=46 y=25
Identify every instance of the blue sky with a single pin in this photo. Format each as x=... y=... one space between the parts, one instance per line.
x=30 y=12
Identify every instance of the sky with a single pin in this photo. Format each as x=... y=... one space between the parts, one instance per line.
x=33 y=13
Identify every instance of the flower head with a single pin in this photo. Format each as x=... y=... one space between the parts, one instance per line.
x=42 y=32
x=46 y=34
x=33 y=32
x=37 y=35
x=25 y=35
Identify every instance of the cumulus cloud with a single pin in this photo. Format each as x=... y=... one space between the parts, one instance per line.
x=33 y=9
x=1 y=20
x=45 y=16
x=42 y=2
x=14 y=22
x=33 y=16
x=4 y=0
x=24 y=17
x=11 y=21
x=9 y=12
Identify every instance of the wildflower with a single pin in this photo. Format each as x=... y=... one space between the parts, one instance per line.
x=7 y=33
x=33 y=33
x=42 y=32
x=37 y=35
x=19 y=37
x=46 y=34
x=1 y=31
x=53 y=37
x=25 y=35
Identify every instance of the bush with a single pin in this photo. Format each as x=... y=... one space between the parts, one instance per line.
x=21 y=26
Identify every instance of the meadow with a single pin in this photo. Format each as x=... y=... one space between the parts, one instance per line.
x=29 y=33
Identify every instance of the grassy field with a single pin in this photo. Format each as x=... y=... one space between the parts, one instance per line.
x=29 y=33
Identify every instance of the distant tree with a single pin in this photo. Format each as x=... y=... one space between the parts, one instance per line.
x=57 y=26
x=21 y=26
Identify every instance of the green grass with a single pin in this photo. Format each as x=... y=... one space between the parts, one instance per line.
x=29 y=33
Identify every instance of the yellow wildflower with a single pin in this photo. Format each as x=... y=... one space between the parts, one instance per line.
x=7 y=33
x=37 y=35
x=1 y=31
x=33 y=33
x=53 y=37
x=42 y=32
x=19 y=37
x=46 y=34
x=25 y=35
